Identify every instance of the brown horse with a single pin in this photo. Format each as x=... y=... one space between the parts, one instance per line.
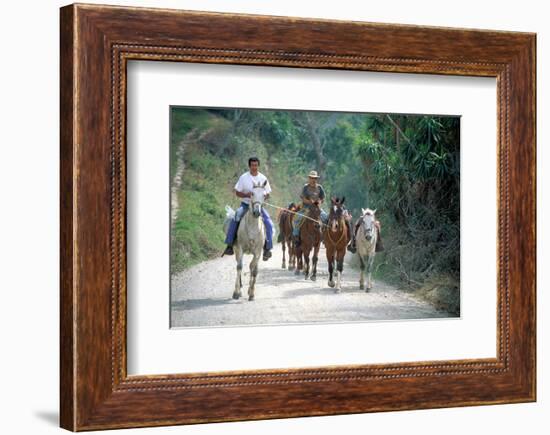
x=310 y=239
x=336 y=238
x=285 y=235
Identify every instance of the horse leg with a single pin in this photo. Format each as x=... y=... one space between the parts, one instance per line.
x=253 y=274
x=313 y=275
x=299 y=260
x=238 y=280
x=284 y=256
x=291 y=255
x=315 y=258
x=362 y=273
x=330 y=260
x=340 y=269
x=369 y=271
x=306 y=266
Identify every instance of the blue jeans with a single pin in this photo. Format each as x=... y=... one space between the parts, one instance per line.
x=268 y=223
x=297 y=222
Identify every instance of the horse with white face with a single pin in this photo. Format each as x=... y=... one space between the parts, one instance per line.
x=366 y=238
x=250 y=240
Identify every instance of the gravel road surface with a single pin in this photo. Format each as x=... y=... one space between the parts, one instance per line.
x=201 y=296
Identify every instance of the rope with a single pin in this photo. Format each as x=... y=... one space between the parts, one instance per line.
x=293 y=212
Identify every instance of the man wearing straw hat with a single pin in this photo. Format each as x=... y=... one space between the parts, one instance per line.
x=311 y=192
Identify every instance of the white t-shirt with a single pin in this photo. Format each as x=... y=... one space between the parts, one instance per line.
x=246 y=182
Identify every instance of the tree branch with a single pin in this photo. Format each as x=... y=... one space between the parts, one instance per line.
x=398 y=129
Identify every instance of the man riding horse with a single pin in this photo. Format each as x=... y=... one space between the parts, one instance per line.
x=313 y=193
x=244 y=190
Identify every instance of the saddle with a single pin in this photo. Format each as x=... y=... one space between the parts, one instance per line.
x=305 y=213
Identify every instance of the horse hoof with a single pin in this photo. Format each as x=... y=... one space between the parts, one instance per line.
x=290 y=268
x=331 y=284
x=296 y=272
x=313 y=278
x=361 y=286
x=283 y=266
x=250 y=298
x=236 y=295
x=367 y=290
x=337 y=290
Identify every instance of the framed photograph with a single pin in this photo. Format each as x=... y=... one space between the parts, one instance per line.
x=267 y=217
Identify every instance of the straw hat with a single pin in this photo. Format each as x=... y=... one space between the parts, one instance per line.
x=313 y=174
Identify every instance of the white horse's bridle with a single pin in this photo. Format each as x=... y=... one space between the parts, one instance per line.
x=254 y=201
x=368 y=224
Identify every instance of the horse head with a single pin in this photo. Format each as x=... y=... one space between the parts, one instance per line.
x=315 y=210
x=368 y=222
x=336 y=215
x=258 y=196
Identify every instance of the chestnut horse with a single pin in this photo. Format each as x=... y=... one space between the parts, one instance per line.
x=310 y=239
x=336 y=238
x=285 y=235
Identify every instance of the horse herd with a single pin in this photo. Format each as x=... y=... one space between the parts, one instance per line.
x=333 y=234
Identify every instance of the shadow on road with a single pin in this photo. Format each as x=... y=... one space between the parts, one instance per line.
x=283 y=275
x=310 y=291
x=191 y=304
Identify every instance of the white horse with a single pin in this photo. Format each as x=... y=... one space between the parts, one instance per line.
x=250 y=240
x=367 y=235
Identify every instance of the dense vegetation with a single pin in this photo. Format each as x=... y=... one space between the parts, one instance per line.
x=404 y=166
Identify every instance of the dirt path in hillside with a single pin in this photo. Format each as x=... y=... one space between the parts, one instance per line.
x=178 y=177
x=202 y=296
x=191 y=137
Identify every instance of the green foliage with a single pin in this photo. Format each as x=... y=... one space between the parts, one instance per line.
x=411 y=165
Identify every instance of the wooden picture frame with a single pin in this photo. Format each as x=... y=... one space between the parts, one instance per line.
x=96 y=43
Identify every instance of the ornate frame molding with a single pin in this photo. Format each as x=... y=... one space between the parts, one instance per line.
x=96 y=44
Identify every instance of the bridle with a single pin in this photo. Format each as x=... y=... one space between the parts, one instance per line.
x=341 y=222
x=253 y=203
x=370 y=229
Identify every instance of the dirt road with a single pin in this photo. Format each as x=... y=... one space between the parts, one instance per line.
x=202 y=296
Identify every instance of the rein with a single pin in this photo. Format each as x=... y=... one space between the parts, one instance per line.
x=364 y=231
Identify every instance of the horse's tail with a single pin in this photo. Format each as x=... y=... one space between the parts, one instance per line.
x=282 y=218
x=279 y=216
x=229 y=212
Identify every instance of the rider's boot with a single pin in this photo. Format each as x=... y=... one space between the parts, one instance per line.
x=228 y=250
